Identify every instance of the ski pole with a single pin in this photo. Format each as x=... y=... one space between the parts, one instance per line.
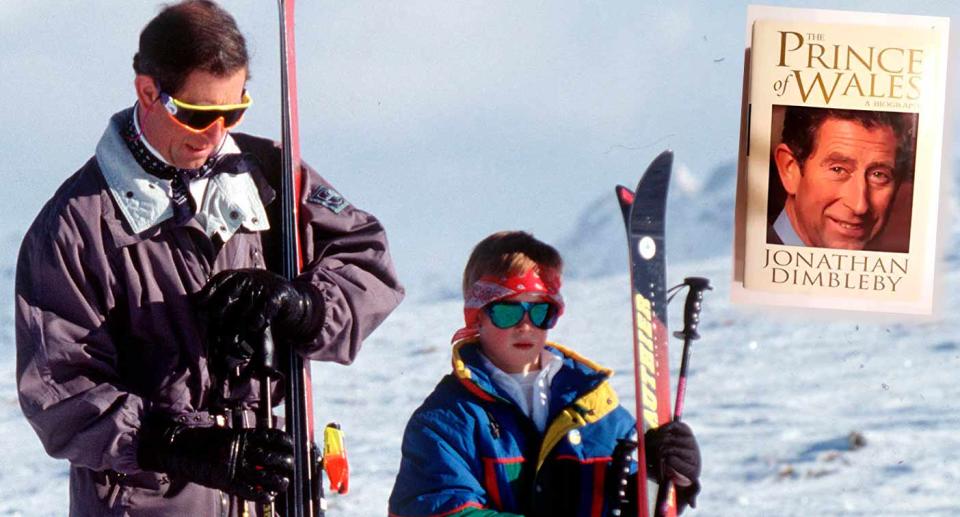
x=265 y=364
x=691 y=320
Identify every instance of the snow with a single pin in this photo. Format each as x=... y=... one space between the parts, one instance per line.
x=773 y=399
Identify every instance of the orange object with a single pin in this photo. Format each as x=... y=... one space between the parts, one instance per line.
x=335 y=462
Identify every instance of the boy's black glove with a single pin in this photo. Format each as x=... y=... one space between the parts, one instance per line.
x=254 y=464
x=240 y=303
x=673 y=454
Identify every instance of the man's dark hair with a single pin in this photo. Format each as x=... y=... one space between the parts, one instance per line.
x=800 y=126
x=191 y=35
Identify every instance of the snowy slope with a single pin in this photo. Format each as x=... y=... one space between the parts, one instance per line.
x=772 y=401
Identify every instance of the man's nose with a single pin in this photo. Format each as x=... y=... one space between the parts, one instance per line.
x=855 y=193
x=215 y=132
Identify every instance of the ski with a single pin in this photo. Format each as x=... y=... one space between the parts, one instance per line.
x=644 y=214
x=304 y=497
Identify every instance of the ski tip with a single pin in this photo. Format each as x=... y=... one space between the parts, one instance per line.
x=659 y=167
x=625 y=195
x=665 y=157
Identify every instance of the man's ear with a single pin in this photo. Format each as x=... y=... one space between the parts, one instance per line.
x=788 y=167
x=147 y=91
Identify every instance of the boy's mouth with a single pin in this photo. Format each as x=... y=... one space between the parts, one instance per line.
x=523 y=346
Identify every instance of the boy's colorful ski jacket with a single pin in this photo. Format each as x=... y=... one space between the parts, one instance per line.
x=469 y=451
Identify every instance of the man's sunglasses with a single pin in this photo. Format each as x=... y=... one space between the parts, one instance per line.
x=200 y=117
x=504 y=315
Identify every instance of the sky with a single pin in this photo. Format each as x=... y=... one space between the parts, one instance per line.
x=448 y=120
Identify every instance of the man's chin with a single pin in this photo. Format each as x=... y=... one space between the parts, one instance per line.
x=847 y=244
x=192 y=158
x=191 y=164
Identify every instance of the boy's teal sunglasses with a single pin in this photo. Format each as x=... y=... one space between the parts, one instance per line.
x=506 y=314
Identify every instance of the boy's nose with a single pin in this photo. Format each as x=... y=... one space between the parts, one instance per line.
x=525 y=323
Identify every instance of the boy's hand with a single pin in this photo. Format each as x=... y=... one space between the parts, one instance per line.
x=673 y=454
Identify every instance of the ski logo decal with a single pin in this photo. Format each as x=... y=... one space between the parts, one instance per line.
x=648 y=366
x=328 y=198
x=647 y=247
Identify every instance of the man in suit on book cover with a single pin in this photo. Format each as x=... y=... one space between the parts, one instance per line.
x=840 y=170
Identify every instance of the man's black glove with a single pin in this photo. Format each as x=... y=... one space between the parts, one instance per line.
x=254 y=464
x=673 y=454
x=240 y=303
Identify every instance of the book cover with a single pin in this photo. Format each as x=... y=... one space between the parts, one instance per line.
x=840 y=160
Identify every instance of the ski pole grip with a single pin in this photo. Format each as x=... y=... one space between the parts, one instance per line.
x=264 y=364
x=691 y=308
x=264 y=361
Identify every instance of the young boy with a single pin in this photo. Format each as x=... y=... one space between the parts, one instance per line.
x=522 y=425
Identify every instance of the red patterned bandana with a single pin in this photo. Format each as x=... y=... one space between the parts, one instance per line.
x=491 y=288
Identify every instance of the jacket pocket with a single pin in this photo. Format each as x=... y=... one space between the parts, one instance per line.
x=572 y=486
x=502 y=480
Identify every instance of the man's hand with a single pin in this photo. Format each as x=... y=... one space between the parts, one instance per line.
x=254 y=464
x=673 y=454
x=239 y=304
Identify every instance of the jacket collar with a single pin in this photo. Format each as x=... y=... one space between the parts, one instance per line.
x=785 y=231
x=230 y=201
x=579 y=395
x=578 y=376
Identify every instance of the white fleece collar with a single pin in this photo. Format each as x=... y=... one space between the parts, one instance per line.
x=536 y=409
x=227 y=202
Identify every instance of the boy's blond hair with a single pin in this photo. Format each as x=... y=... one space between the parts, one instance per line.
x=509 y=253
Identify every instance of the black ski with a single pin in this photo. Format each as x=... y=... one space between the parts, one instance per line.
x=304 y=497
x=644 y=213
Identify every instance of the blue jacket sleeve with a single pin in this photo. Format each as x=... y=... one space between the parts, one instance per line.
x=440 y=472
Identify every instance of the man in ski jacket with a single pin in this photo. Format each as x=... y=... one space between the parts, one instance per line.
x=140 y=284
x=524 y=426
